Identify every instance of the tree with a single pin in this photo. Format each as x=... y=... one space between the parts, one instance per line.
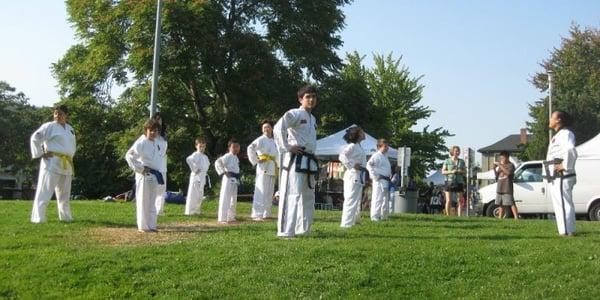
x=385 y=101
x=576 y=89
x=227 y=62
x=18 y=120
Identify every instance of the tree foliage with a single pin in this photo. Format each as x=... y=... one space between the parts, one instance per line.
x=222 y=62
x=18 y=120
x=576 y=89
x=385 y=101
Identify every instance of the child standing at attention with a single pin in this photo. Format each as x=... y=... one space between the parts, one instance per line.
x=198 y=163
x=228 y=166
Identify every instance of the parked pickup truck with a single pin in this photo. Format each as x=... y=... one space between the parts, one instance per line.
x=532 y=192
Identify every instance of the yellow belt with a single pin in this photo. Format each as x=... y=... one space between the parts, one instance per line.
x=271 y=158
x=66 y=161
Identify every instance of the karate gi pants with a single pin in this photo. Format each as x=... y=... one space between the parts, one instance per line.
x=564 y=211
x=262 y=199
x=49 y=183
x=227 y=199
x=379 y=200
x=195 y=195
x=296 y=203
x=145 y=197
x=352 y=198
x=160 y=196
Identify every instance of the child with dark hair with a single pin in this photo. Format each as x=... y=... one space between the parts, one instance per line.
x=228 y=166
x=296 y=138
x=381 y=172
x=262 y=153
x=354 y=159
x=198 y=163
x=143 y=158
x=54 y=143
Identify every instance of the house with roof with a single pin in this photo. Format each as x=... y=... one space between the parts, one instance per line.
x=512 y=143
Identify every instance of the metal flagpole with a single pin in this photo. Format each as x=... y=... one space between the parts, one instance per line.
x=155 y=61
x=550 y=75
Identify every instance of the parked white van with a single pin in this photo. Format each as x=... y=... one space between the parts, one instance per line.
x=532 y=192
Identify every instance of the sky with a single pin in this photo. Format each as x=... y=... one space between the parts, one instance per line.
x=476 y=57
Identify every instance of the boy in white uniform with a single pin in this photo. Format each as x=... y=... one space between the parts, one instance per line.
x=354 y=159
x=54 y=142
x=198 y=163
x=144 y=159
x=228 y=166
x=262 y=153
x=296 y=137
x=561 y=157
x=381 y=173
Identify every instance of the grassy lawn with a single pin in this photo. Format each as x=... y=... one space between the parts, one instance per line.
x=101 y=255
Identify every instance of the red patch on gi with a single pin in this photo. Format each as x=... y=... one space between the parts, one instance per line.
x=302 y=121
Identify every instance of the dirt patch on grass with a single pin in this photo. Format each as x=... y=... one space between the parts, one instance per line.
x=167 y=233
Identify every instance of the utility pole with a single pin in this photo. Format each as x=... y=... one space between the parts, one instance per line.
x=153 y=97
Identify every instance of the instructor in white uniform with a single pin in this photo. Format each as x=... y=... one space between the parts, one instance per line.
x=296 y=137
x=354 y=159
x=262 y=153
x=54 y=142
x=561 y=161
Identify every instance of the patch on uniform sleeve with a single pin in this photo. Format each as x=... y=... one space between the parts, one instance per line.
x=303 y=121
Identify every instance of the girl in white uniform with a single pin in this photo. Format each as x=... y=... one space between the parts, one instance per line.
x=562 y=155
x=262 y=153
x=353 y=157
x=144 y=158
x=198 y=163
x=54 y=142
x=228 y=166
x=381 y=174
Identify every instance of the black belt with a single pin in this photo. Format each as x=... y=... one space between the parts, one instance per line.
x=233 y=175
x=158 y=175
x=380 y=177
x=297 y=160
x=363 y=175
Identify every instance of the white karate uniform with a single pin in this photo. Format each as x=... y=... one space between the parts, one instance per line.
x=563 y=146
x=56 y=172
x=296 y=189
x=266 y=172
x=353 y=186
x=145 y=153
x=379 y=165
x=229 y=186
x=162 y=188
x=198 y=163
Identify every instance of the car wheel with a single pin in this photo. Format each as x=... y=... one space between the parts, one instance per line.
x=492 y=210
x=594 y=212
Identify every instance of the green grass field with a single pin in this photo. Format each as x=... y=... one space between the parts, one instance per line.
x=101 y=255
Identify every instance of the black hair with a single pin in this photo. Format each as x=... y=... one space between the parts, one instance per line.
x=263 y=122
x=352 y=134
x=61 y=107
x=505 y=154
x=307 y=89
x=231 y=142
x=565 y=119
